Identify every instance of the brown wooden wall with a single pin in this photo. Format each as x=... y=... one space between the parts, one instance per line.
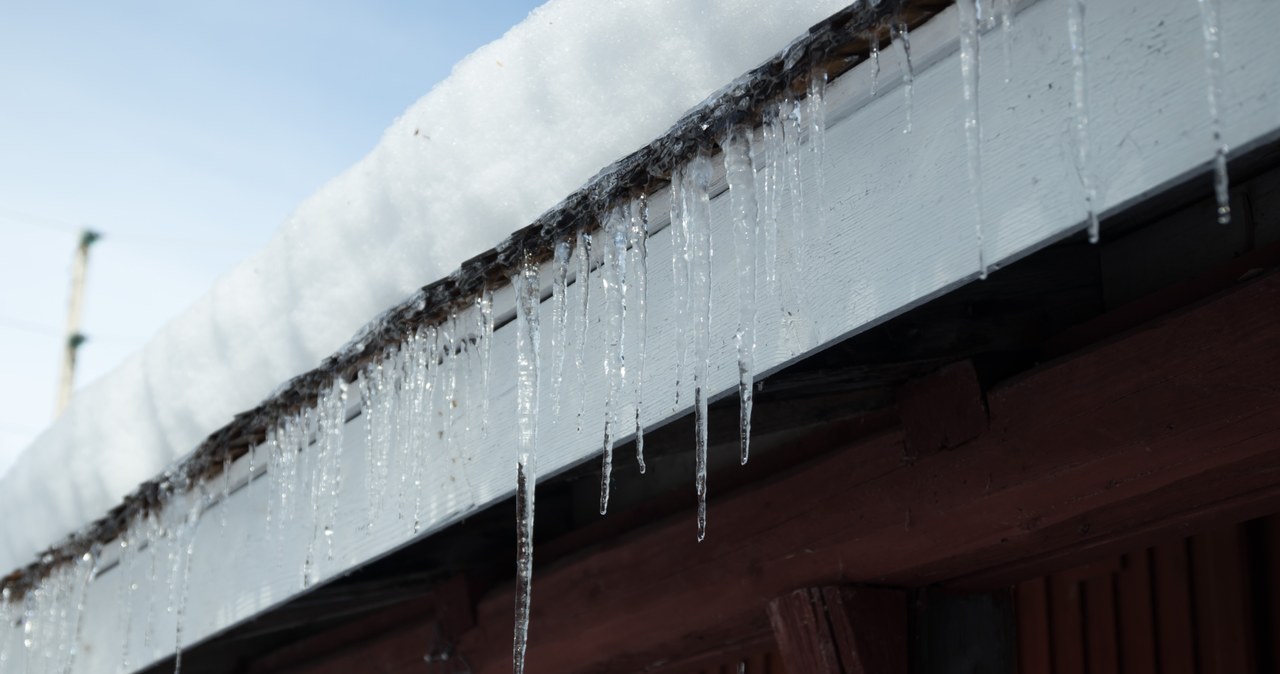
x=1208 y=604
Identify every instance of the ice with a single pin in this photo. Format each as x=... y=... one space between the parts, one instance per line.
x=698 y=217
x=528 y=372
x=968 y=13
x=1004 y=12
x=559 y=319
x=898 y=29
x=640 y=248
x=767 y=193
x=486 y=355
x=516 y=127
x=582 y=281
x=1211 y=26
x=875 y=62
x=616 y=240
x=185 y=542
x=680 y=272
x=815 y=113
x=740 y=174
x=1080 y=112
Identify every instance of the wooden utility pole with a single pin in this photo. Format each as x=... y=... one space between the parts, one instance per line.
x=74 y=338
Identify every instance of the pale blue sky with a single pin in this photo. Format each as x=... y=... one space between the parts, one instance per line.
x=186 y=133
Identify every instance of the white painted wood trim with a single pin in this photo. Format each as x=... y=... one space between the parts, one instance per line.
x=900 y=231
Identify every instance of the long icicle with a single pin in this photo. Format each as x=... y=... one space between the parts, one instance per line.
x=562 y=258
x=898 y=29
x=740 y=175
x=680 y=271
x=640 y=244
x=1080 y=110
x=583 y=281
x=1211 y=24
x=615 y=369
x=968 y=15
x=528 y=368
x=699 y=218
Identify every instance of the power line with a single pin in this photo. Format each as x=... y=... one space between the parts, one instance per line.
x=128 y=239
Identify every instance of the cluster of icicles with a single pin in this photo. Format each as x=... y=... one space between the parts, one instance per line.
x=416 y=399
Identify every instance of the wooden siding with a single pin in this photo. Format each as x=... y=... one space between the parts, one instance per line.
x=1207 y=604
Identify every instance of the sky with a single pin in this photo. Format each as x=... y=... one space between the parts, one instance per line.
x=185 y=133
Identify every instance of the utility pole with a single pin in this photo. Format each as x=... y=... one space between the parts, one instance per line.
x=74 y=337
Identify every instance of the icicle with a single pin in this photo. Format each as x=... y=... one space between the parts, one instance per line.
x=615 y=369
x=765 y=157
x=816 y=113
x=372 y=467
x=1004 y=11
x=968 y=12
x=792 y=125
x=185 y=542
x=528 y=369
x=85 y=573
x=127 y=568
x=1080 y=110
x=226 y=492
x=1211 y=25
x=583 y=281
x=875 y=62
x=8 y=618
x=559 y=319
x=486 y=351
x=433 y=345
x=740 y=175
x=699 y=218
x=898 y=30
x=680 y=272
x=640 y=244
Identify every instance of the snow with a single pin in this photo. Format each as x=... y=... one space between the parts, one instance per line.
x=517 y=126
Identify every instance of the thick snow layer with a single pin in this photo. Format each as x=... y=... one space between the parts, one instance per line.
x=516 y=127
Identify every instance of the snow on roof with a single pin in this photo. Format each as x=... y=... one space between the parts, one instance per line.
x=516 y=127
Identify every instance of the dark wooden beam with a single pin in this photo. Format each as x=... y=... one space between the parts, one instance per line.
x=841 y=630
x=942 y=411
x=1172 y=428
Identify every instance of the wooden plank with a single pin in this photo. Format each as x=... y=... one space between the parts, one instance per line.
x=1103 y=649
x=1136 y=615
x=1224 y=624
x=1022 y=488
x=1066 y=626
x=803 y=634
x=841 y=630
x=942 y=411
x=1035 y=655
x=1174 y=626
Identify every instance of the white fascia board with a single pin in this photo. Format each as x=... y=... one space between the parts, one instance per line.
x=900 y=231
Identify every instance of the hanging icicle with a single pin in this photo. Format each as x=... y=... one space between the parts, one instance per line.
x=639 y=235
x=583 y=282
x=898 y=30
x=740 y=174
x=528 y=368
x=559 y=318
x=875 y=62
x=616 y=229
x=680 y=272
x=698 y=175
x=1080 y=113
x=968 y=13
x=1211 y=26
x=1004 y=13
